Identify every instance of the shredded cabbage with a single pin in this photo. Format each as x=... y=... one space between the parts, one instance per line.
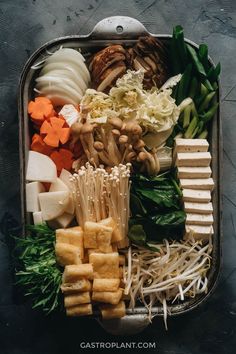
x=155 y=110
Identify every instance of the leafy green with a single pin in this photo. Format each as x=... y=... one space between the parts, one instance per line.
x=156 y=209
x=38 y=272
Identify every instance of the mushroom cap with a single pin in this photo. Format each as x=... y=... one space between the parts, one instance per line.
x=115 y=122
x=123 y=139
x=138 y=145
x=98 y=145
x=115 y=132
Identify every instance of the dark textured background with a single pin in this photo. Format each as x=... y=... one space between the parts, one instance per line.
x=24 y=26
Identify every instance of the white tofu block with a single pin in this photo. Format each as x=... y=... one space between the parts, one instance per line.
x=199 y=219
x=191 y=145
x=198 y=208
x=194 y=172
x=32 y=196
x=193 y=159
x=197 y=183
x=198 y=232
x=37 y=217
x=194 y=195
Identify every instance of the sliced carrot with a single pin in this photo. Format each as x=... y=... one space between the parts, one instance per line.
x=55 y=131
x=40 y=109
x=63 y=158
x=39 y=145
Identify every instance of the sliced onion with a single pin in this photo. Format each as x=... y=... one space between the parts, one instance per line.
x=61 y=90
x=67 y=67
x=65 y=59
x=51 y=79
x=61 y=100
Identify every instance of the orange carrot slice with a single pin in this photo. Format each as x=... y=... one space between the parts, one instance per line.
x=63 y=158
x=55 y=131
x=41 y=108
x=39 y=145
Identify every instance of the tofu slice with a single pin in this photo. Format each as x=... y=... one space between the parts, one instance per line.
x=105 y=265
x=194 y=172
x=73 y=236
x=80 y=285
x=72 y=273
x=79 y=310
x=193 y=159
x=191 y=145
x=194 y=195
x=98 y=236
x=110 y=297
x=106 y=284
x=67 y=254
x=198 y=208
x=77 y=299
x=198 y=232
x=113 y=311
x=116 y=235
x=199 y=219
x=197 y=183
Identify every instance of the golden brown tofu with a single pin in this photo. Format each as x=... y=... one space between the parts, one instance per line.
x=77 y=299
x=72 y=273
x=73 y=236
x=105 y=265
x=67 y=254
x=113 y=311
x=110 y=297
x=106 y=284
x=75 y=287
x=79 y=310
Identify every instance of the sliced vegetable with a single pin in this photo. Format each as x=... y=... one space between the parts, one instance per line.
x=40 y=109
x=55 y=131
x=40 y=146
x=40 y=168
x=63 y=158
x=53 y=204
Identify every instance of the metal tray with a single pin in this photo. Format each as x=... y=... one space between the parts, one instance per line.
x=125 y=30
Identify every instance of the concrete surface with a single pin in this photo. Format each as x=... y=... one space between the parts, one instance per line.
x=24 y=26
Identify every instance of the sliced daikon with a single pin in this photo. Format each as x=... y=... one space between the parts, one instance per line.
x=66 y=177
x=53 y=204
x=59 y=185
x=37 y=217
x=32 y=193
x=62 y=221
x=40 y=168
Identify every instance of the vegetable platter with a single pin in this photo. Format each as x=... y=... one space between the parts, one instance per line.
x=120 y=143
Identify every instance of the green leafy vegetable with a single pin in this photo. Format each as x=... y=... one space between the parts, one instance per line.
x=199 y=81
x=38 y=272
x=156 y=209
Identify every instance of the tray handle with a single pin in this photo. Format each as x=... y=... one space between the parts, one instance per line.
x=118 y=27
x=128 y=325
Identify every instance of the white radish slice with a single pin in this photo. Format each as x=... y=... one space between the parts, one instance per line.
x=61 y=89
x=75 y=56
x=48 y=79
x=64 y=59
x=68 y=68
x=53 y=204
